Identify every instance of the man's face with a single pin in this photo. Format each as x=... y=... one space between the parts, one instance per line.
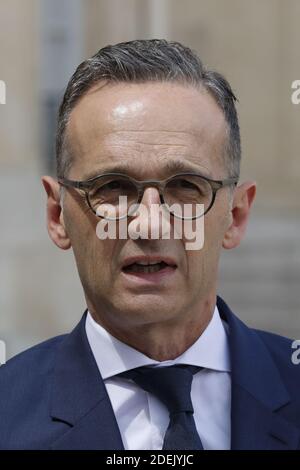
x=143 y=129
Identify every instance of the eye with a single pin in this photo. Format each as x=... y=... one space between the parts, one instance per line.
x=111 y=185
x=183 y=183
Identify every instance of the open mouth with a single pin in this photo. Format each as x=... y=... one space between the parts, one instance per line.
x=145 y=268
x=150 y=269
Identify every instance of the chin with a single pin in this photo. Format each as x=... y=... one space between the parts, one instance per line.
x=147 y=308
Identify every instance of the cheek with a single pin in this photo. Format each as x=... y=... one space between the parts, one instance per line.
x=215 y=227
x=204 y=261
x=201 y=237
x=94 y=257
x=101 y=256
x=95 y=265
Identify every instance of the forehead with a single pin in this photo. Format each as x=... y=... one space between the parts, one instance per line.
x=145 y=124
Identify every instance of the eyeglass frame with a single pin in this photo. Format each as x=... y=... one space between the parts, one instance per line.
x=85 y=186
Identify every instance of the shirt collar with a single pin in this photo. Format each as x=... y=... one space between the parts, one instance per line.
x=210 y=350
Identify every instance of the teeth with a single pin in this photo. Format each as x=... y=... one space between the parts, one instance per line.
x=146 y=263
x=139 y=268
x=147 y=269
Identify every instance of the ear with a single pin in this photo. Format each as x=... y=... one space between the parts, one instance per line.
x=55 y=218
x=243 y=198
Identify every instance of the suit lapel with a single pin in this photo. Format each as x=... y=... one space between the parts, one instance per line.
x=258 y=392
x=97 y=430
x=79 y=398
x=257 y=427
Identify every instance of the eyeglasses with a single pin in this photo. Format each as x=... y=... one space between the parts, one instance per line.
x=124 y=194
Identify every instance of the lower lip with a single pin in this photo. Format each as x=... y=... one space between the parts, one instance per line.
x=151 y=278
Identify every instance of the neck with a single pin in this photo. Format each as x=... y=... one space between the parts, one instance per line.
x=164 y=340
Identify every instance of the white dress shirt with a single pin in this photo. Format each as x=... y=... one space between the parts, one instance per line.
x=141 y=417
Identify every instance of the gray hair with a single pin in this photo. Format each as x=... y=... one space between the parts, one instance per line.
x=143 y=61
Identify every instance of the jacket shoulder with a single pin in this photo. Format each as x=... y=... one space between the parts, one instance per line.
x=279 y=346
x=24 y=396
x=24 y=375
x=37 y=356
x=285 y=353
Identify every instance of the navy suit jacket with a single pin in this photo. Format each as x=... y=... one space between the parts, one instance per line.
x=53 y=397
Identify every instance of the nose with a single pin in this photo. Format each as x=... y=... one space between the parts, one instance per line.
x=149 y=221
x=150 y=196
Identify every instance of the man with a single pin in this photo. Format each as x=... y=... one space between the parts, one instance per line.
x=157 y=360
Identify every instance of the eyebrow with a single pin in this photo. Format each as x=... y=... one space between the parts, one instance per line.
x=171 y=166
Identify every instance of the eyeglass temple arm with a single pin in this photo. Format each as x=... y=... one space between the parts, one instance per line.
x=229 y=181
x=70 y=183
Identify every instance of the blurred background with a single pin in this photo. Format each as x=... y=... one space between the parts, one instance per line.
x=256 y=45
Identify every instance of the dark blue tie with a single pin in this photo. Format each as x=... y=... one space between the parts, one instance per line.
x=172 y=386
